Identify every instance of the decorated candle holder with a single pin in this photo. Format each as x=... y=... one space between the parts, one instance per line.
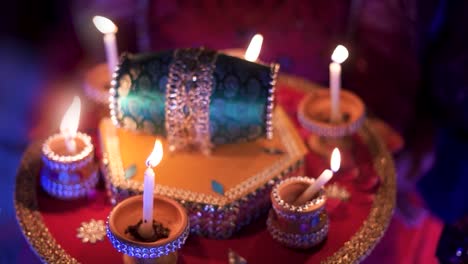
x=314 y=114
x=297 y=226
x=166 y=211
x=97 y=84
x=68 y=176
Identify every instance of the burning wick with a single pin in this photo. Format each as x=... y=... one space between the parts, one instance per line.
x=146 y=228
x=69 y=124
x=326 y=175
x=253 y=51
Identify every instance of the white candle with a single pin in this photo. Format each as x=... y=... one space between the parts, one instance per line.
x=146 y=228
x=309 y=193
x=255 y=46
x=147 y=225
x=108 y=28
x=340 y=54
x=69 y=124
x=326 y=176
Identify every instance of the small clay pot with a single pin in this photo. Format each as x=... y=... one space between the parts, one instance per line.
x=297 y=226
x=68 y=176
x=314 y=113
x=166 y=211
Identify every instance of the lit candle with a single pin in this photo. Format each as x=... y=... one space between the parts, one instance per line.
x=335 y=160
x=340 y=54
x=69 y=124
x=326 y=176
x=146 y=228
x=253 y=51
x=108 y=28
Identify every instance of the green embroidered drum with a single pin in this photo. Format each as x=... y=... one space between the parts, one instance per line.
x=194 y=96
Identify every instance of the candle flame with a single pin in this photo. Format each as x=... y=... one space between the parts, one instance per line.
x=253 y=51
x=340 y=54
x=335 y=160
x=69 y=124
x=104 y=25
x=156 y=155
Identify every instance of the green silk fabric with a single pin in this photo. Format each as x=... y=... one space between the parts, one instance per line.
x=237 y=104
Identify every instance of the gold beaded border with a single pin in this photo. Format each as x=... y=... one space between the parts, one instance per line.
x=270 y=107
x=355 y=250
x=372 y=230
x=41 y=242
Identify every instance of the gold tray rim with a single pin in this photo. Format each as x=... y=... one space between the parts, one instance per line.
x=355 y=250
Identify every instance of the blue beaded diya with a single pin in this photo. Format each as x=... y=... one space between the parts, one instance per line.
x=68 y=176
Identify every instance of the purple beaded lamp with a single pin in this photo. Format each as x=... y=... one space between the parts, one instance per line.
x=69 y=170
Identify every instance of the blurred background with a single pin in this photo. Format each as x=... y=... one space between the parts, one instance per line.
x=408 y=61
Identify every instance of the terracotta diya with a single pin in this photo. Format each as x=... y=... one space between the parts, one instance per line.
x=166 y=211
x=314 y=114
x=297 y=225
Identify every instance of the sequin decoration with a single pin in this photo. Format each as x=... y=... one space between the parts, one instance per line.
x=217 y=187
x=92 y=231
x=334 y=190
x=130 y=171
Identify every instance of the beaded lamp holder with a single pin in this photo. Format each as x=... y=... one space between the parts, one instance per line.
x=166 y=211
x=68 y=176
x=314 y=115
x=297 y=226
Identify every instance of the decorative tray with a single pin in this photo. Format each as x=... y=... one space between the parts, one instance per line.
x=357 y=220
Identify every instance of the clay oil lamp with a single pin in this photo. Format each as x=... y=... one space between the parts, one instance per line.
x=332 y=115
x=298 y=218
x=148 y=228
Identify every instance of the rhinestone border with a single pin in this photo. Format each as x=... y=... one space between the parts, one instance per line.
x=270 y=107
x=193 y=129
x=67 y=163
x=147 y=252
x=114 y=108
x=295 y=240
x=292 y=208
x=67 y=191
